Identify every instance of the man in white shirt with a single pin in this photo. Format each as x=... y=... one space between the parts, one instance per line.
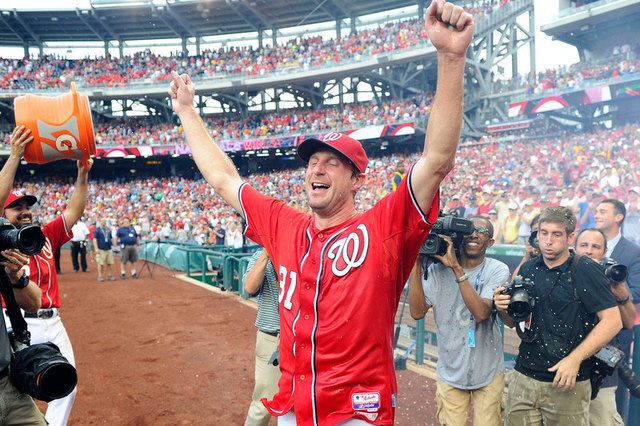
x=79 y=246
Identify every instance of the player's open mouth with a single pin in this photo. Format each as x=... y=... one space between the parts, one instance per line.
x=319 y=187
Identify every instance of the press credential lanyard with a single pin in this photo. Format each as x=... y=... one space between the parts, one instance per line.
x=471 y=333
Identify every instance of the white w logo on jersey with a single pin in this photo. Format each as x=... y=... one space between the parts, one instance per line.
x=346 y=252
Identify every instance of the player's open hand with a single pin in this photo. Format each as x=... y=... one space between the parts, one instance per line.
x=19 y=140
x=449 y=28
x=182 y=92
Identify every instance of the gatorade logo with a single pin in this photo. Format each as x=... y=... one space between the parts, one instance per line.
x=65 y=139
x=333 y=136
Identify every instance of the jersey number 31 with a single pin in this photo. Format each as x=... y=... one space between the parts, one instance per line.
x=293 y=278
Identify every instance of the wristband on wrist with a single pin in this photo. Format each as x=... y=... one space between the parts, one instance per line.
x=23 y=281
x=462 y=278
x=623 y=301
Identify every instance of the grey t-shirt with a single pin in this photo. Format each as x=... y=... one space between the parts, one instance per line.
x=460 y=365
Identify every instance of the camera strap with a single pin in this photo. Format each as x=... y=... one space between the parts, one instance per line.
x=18 y=324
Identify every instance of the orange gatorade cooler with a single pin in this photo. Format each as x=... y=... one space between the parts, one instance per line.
x=61 y=126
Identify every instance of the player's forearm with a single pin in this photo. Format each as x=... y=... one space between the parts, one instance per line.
x=78 y=200
x=417 y=305
x=216 y=166
x=7 y=176
x=445 y=121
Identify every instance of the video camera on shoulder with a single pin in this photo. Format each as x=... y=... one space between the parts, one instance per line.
x=614 y=271
x=28 y=239
x=454 y=227
x=522 y=298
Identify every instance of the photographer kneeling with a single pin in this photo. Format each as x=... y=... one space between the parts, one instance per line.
x=567 y=298
x=470 y=362
x=592 y=242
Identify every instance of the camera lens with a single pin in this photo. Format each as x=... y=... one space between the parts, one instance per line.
x=617 y=273
x=519 y=307
x=30 y=239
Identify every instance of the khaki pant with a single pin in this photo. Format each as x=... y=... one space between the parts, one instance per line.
x=266 y=376
x=602 y=411
x=454 y=404
x=532 y=402
x=17 y=408
x=104 y=257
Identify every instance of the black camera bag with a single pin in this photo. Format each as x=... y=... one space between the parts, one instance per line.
x=43 y=372
x=38 y=370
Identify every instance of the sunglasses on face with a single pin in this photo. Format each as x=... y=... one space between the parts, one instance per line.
x=481 y=231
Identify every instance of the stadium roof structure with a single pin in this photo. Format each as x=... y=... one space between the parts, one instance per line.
x=604 y=22
x=122 y=20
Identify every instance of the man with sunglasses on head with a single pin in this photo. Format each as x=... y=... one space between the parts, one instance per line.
x=470 y=363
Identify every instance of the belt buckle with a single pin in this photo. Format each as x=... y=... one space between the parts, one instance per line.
x=45 y=313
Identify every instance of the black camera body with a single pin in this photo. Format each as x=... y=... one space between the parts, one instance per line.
x=454 y=227
x=522 y=298
x=614 y=271
x=605 y=362
x=28 y=239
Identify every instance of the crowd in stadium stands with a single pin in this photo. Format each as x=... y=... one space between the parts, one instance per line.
x=225 y=127
x=508 y=180
x=146 y=67
x=620 y=61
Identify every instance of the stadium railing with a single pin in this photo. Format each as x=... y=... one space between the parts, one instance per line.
x=220 y=266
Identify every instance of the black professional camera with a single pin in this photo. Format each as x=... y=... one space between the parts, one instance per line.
x=29 y=239
x=605 y=362
x=451 y=226
x=614 y=271
x=40 y=370
x=522 y=298
x=630 y=379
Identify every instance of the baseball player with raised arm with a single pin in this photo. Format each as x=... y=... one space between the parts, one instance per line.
x=341 y=273
x=46 y=325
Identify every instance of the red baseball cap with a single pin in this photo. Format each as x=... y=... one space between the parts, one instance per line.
x=17 y=196
x=345 y=145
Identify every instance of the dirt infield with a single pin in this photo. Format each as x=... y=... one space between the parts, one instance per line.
x=163 y=351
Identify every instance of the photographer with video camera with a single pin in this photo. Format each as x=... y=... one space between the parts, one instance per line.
x=564 y=311
x=592 y=243
x=460 y=288
x=45 y=325
x=18 y=407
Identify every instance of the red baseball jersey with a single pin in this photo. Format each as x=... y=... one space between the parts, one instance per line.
x=339 y=292
x=42 y=268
